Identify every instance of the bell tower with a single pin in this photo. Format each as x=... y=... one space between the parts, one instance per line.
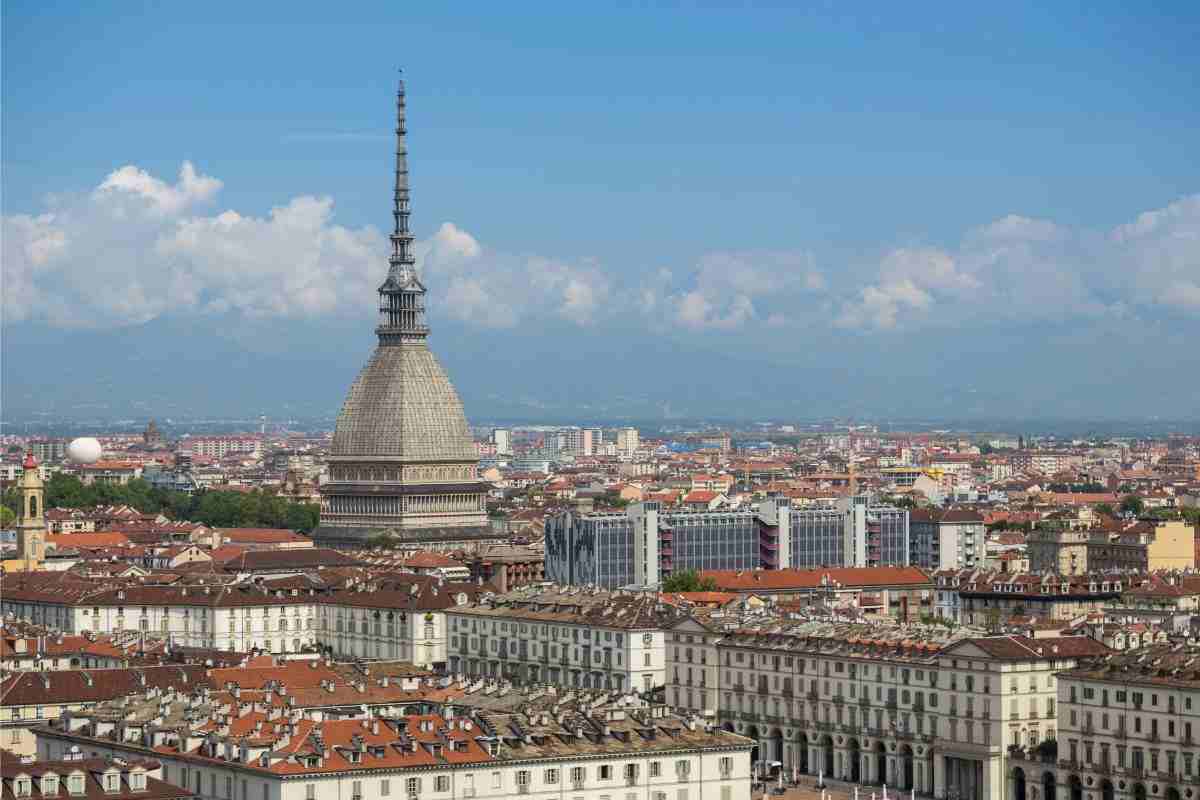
x=31 y=523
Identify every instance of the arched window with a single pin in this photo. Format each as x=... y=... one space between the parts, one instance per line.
x=33 y=506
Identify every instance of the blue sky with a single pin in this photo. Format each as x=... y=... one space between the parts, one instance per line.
x=876 y=209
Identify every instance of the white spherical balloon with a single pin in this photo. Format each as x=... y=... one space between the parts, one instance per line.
x=85 y=450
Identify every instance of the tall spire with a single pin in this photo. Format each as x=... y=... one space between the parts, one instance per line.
x=402 y=296
x=402 y=259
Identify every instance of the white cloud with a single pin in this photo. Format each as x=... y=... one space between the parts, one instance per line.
x=134 y=249
x=731 y=289
x=1018 y=269
x=162 y=197
x=137 y=247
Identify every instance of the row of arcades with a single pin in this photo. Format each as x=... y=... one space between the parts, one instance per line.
x=1031 y=782
x=839 y=757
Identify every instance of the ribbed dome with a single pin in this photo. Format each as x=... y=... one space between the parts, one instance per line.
x=402 y=406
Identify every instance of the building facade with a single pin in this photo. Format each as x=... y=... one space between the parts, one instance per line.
x=573 y=638
x=1127 y=728
x=878 y=705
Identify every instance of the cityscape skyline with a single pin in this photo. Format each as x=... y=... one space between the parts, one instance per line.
x=235 y=288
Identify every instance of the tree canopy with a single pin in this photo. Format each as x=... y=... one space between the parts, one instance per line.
x=255 y=509
x=688 y=580
x=1132 y=504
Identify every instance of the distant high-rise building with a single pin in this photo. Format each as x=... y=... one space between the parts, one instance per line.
x=402 y=461
x=502 y=438
x=578 y=441
x=49 y=450
x=627 y=441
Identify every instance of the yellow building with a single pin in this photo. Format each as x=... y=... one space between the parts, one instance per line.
x=1173 y=546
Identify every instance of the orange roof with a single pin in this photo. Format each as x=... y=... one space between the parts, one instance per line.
x=261 y=535
x=88 y=539
x=848 y=577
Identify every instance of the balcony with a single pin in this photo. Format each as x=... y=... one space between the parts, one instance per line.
x=839 y=699
x=811 y=694
x=739 y=687
x=864 y=701
x=786 y=691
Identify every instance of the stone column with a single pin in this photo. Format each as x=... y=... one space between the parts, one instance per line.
x=939 y=775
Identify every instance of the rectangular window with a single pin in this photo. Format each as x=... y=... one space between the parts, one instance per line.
x=655 y=769
x=551 y=776
x=385 y=788
x=356 y=790
x=605 y=772
x=441 y=783
x=412 y=786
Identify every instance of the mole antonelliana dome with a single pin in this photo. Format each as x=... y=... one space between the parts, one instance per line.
x=402 y=462
x=402 y=406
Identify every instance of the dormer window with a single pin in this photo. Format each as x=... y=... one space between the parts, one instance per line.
x=75 y=783
x=112 y=782
x=137 y=781
x=49 y=784
x=23 y=786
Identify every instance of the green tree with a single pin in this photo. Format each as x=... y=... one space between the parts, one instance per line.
x=1132 y=504
x=302 y=517
x=1190 y=514
x=1105 y=508
x=7 y=517
x=688 y=580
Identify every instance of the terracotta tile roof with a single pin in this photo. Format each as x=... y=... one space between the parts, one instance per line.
x=1023 y=648
x=93 y=770
x=94 y=685
x=87 y=539
x=261 y=536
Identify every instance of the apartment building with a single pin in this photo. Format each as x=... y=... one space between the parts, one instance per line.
x=950 y=539
x=221 y=446
x=31 y=699
x=1133 y=547
x=593 y=750
x=400 y=616
x=647 y=542
x=925 y=711
x=988 y=597
x=1128 y=727
x=567 y=637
